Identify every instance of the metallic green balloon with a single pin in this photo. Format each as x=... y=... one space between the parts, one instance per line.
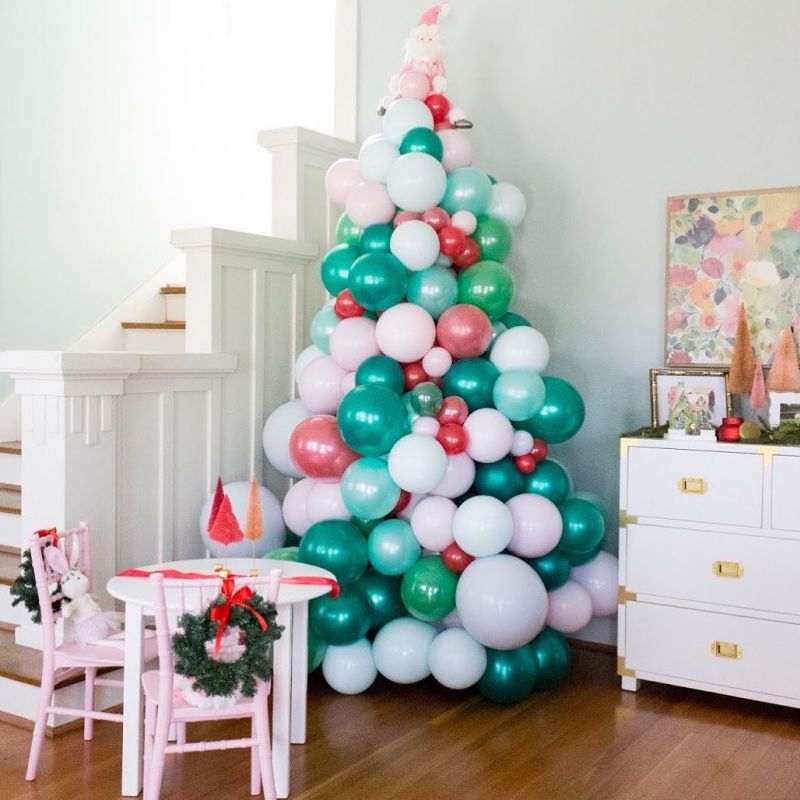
x=371 y=419
x=375 y=239
x=553 y=658
x=335 y=267
x=549 y=479
x=378 y=280
x=340 y=620
x=381 y=371
x=347 y=232
x=473 y=380
x=488 y=285
x=392 y=547
x=435 y=289
x=579 y=559
x=468 y=189
x=335 y=545
x=562 y=414
x=513 y=320
x=553 y=569
x=422 y=140
x=494 y=237
x=316 y=650
x=584 y=528
x=325 y=320
x=383 y=595
x=284 y=554
x=426 y=399
x=429 y=589
x=510 y=675
x=500 y=479
x=366 y=526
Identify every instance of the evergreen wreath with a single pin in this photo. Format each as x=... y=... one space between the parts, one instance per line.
x=220 y=678
x=23 y=590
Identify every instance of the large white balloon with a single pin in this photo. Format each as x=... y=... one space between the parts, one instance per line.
x=320 y=385
x=416 y=182
x=400 y=650
x=349 y=669
x=458 y=478
x=457 y=149
x=402 y=116
x=324 y=501
x=490 y=434
x=520 y=348
x=507 y=202
x=405 y=332
x=537 y=525
x=275 y=437
x=483 y=526
x=295 y=506
x=569 y=607
x=311 y=353
x=432 y=523
x=456 y=660
x=600 y=579
x=417 y=463
x=502 y=602
x=353 y=342
x=415 y=244
x=376 y=158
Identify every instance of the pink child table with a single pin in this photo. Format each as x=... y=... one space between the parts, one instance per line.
x=290 y=680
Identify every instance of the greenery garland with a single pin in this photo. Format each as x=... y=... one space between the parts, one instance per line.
x=219 y=678
x=23 y=590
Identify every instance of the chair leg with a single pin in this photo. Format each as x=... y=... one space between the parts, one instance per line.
x=261 y=720
x=157 y=760
x=45 y=699
x=149 y=733
x=88 y=702
x=255 y=767
x=180 y=733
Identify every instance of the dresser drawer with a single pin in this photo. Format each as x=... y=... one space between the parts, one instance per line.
x=744 y=571
x=786 y=493
x=696 y=486
x=720 y=649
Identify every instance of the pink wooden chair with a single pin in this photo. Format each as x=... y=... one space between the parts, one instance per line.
x=66 y=660
x=164 y=706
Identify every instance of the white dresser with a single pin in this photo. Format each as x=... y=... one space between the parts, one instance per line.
x=709 y=567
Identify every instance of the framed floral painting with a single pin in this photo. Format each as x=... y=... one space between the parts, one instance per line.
x=724 y=250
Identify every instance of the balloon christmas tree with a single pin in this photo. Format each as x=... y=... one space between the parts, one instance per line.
x=423 y=423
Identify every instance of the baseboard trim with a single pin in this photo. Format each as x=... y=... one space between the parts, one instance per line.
x=595 y=647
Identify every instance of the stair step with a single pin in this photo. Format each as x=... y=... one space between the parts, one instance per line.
x=154 y=326
x=9 y=567
x=173 y=288
x=13 y=448
x=10 y=498
x=10 y=462
x=22 y=664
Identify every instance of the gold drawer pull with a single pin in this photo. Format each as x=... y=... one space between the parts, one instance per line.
x=727 y=569
x=692 y=486
x=726 y=650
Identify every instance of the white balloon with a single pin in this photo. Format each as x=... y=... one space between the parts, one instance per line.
x=523 y=443
x=457 y=149
x=295 y=508
x=402 y=116
x=311 y=353
x=600 y=579
x=405 y=332
x=417 y=463
x=349 y=668
x=428 y=426
x=275 y=436
x=520 y=348
x=324 y=501
x=490 y=435
x=507 y=202
x=436 y=362
x=537 y=525
x=432 y=523
x=415 y=244
x=400 y=650
x=452 y=620
x=483 y=526
x=458 y=478
x=569 y=607
x=502 y=602
x=456 y=660
x=320 y=385
x=376 y=158
x=416 y=182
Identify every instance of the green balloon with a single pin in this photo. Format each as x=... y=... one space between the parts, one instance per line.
x=468 y=189
x=316 y=650
x=381 y=371
x=422 y=140
x=335 y=267
x=584 y=528
x=375 y=239
x=513 y=320
x=410 y=412
x=518 y=393
x=284 y=554
x=494 y=238
x=335 y=545
x=562 y=414
x=549 y=479
x=488 y=285
x=383 y=595
x=325 y=320
x=500 y=479
x=593 y=498
x=426 y=399
x=553 y=658
x=579 y=559
x=368 y=490
x=392 y=547
x=340 y=620
x=378 y=281
x=347 y=232
x=371 y=419
x=473 y=380
x=510 y=675
x=429 y=589
x=366 y=526
x=435 y=289
x=553 y=569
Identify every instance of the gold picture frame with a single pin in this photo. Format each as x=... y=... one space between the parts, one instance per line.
x=677 y=373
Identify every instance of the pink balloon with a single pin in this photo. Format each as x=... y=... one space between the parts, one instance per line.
x=432 y=523
x=523 y=442
x=490 y=435
x=600 y=578
x=348 y=383
x=406 y=216
x=458 y=478
x=317 y=449
x=341 y=178
x=405 y=332
x=414 y=84
x=465 y=221
x=408 y=510
x=295 y=512
x=457 y=149
x=464 y=331
x=369 y=204
x=320 y=385
x=569 y=608
x=353 y=341
x=537 y=525
x=428 y=426
x=436 y=362
x=324 y=501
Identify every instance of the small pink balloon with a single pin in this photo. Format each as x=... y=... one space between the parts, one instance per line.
x=432 y=523
x=600 y=578
x=457 y=148
x=369 y=204
x=415 y=85
x=537 y=525
x=569 y=608
x=428 y=426
x=523 y=442
x=348 y=383
x=436 y=362
x=406 y=216
x=295 y=510
x=320 y=386
x=324 y=501
x=341 y=178
x=458 y=478
x=353 y=341
x=465 y=221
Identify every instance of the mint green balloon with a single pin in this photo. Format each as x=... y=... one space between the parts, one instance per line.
x=422 y=140
x=375 y=239
x=347 y=232
x=335 y=267
x=392 y=547
x=494 y=237
x=368 y=490
x=468 y=189
x=435 y=289
x=381 y=371
x=322 y=327
x=518 y=393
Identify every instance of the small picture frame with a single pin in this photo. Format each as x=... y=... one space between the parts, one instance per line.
x=691 y=401
x=784 y=407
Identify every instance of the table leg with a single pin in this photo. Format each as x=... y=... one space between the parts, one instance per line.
x=281 y=701
x=299 y=671
x=132 y=699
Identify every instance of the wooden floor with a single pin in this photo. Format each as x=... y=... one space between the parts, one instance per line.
x=586 y=740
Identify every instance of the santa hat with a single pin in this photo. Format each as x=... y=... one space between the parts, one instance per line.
x=431 y=16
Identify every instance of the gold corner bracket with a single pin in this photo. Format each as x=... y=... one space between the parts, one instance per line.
x=624 y=596
x=622 y=670
x=767 y=453
x=625 y=445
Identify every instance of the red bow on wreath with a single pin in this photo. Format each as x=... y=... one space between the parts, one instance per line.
x=222 y=613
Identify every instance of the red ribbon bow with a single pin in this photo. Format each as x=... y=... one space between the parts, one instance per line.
x=49 y=532
x=222 y=613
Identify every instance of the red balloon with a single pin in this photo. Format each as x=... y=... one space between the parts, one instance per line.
x=406 y=216
x=405 y=499
x=346 y=305
x=539 y=450
x=464 y=331
x=453 y=438
x=525 y=464
x=468 y=255
x=453 y=409
x=451 y=240
x=439 y=106
x=455 y=559
x=318 y=450
x=414 y=374
x=436 y=217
